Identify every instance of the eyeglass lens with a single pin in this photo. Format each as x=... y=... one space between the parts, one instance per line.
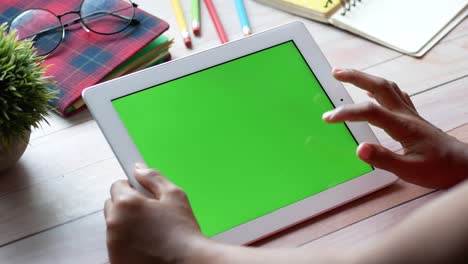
x=46 y=31
x=107 y=16
x=41 y=26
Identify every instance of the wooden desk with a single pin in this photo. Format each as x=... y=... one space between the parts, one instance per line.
x=52 y=201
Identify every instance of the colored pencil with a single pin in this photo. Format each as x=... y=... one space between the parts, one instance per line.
x=196 y=17
x=243 y=17
x=216 y=21
x=181 y=23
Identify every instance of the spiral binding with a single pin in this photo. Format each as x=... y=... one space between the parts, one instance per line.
x=329 y=2
x=346 y=4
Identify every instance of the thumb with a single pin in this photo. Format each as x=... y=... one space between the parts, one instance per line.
x=148 y=180
x=382 y=158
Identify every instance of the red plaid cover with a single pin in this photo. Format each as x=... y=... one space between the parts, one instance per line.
x=83 y=58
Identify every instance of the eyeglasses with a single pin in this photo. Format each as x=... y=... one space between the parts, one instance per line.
x=46 y=30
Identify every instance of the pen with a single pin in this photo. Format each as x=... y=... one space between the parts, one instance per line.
x=243 y=17
x=216 y=21
x=181 y=22
x=196 y=17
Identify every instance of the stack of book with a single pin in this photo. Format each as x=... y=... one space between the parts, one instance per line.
x=85 y=58
x=156 y=52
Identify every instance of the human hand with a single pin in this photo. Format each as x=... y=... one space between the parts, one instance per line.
x=161 y=229
x=430 y=157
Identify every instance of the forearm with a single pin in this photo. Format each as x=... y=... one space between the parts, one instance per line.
x=437 y=233
x=227 y=254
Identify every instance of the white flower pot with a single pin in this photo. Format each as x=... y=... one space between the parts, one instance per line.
x=10 y=155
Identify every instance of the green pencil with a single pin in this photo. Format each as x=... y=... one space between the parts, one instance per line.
x=196 y=17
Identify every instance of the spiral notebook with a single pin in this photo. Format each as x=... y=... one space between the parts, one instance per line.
x=408 y=26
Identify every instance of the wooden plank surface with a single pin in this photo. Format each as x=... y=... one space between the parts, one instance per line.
x=53 y=197
x=55 y=155
x=80 y=241
x=370 y=229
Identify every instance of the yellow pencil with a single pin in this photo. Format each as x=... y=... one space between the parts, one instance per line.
x=181 y=23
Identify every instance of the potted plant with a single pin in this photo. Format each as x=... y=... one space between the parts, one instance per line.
x=24 y=95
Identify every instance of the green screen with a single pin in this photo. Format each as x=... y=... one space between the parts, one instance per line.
x=243 y=138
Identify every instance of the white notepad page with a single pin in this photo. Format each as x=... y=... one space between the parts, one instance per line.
x=411 y=26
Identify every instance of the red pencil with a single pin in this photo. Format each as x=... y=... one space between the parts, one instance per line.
x=216 y=21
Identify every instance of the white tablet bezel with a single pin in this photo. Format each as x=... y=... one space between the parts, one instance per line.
x=99 y=100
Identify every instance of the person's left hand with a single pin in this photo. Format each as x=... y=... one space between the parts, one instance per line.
x=161 y=229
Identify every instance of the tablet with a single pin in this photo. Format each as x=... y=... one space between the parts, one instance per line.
x=239 y=128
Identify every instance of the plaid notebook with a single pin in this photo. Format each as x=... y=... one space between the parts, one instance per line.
x=83 y=59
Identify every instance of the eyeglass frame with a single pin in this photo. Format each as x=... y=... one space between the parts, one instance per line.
x=133 y=22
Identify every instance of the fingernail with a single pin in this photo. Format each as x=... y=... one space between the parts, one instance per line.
x=364 y=151
x=337 y=70
x=328 y=115
x=140 y=166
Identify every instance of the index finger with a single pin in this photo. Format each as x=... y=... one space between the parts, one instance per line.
x=372 y=113
x=381 y=89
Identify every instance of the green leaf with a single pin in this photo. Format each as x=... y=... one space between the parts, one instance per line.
x=24 y=90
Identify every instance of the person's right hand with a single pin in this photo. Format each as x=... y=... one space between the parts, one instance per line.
x=430 y=157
